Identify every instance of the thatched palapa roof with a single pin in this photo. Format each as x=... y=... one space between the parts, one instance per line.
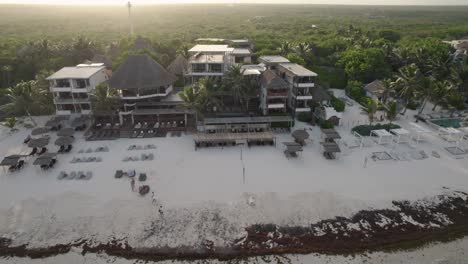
x=270 y=80
x=142 y=44
x=38 y=142
x=319 y=94
x=140 y=72
x=64 y=141
x=178 y=66
x=98 y=58
x=66 y=132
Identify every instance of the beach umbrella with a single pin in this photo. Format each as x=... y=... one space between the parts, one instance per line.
x=293 y=146
x=52 y=123
x=77 y=122
x=11 y=160
x=64 y=141
x=40 y=130
x=66 y=132
x=38 y=142
x=45 y=159
x=300 y=134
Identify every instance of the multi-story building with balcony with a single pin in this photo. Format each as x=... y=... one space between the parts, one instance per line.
x=214 y=60
x=71 y=87
x=209 y=61
x=146 y=93
x=301 y=82
x=274 y=93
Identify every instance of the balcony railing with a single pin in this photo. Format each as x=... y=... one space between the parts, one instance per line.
x=272 y=93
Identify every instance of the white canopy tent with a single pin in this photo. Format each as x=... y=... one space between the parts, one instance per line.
x=465 y=131
x=401 y=135
x=384 y=136
x=450 y=134
x=418 y=132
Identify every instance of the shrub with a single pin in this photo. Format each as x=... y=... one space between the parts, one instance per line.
x=365 y=130
x=142 y=177
x=326 y=124
x=305 y=117
x=10 y=122
x=338 y=104
x=281 y=124
x=413 y=105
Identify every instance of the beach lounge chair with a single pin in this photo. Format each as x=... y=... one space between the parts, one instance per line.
x=141 y=134
x=88 y=175
x=62 y=175
x=69 y=148
x=156 y=125
x=118 y=174
x=72 y=175
x=80 y=175
x=435 y=154
x=61 y=149
x=43 y=150
x=135 y=134
x=143 y=190
x=423 y=154
x=27 y=139
x=33 y=152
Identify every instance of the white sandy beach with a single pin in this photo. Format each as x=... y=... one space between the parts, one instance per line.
x=204 y=193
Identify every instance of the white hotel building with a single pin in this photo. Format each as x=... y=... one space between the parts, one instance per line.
x=71 y=87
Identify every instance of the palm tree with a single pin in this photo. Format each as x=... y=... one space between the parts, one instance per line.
x=391 y=111
x=184 y=51
x=302 y=49
x=440 y=92
x=7 y=69
x=24 y=99
x=370 y=108
x=407 y=83
x=234 y=82
x=249 y=91
x=285 y=48
x=200 y=96
x=103 y=98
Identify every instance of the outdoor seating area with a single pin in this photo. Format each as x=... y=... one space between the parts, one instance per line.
x=142 y=157
x=96 y=149
x=329 y=143
x=75 y=175
x=56 y=122
x=13 y=162
x=141 y=147
x=292 y=148
x=232 y=139
x=401 y=135
x=300 y=136
x=106 y=134
x=85 y=159
x=384 y=137
x=46 y=161
x=38 y=143
x=450 y=134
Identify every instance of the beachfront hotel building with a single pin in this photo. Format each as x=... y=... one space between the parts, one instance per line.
x=214 y=61
x=284 y=82
x=71 y=87
x=145 y=90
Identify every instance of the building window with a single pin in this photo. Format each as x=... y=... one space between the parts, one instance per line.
x=198 y=67
x=239 y=59
x=214 y=68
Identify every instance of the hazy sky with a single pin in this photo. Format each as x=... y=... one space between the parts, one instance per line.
x=346 y=2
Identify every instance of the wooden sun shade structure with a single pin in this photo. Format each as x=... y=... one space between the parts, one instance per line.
x=292 y=148
x=232 y=139
x=330 y=147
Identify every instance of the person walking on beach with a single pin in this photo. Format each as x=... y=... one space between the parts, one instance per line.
x=153 y=197
x=132 y=184
x=161 y=213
